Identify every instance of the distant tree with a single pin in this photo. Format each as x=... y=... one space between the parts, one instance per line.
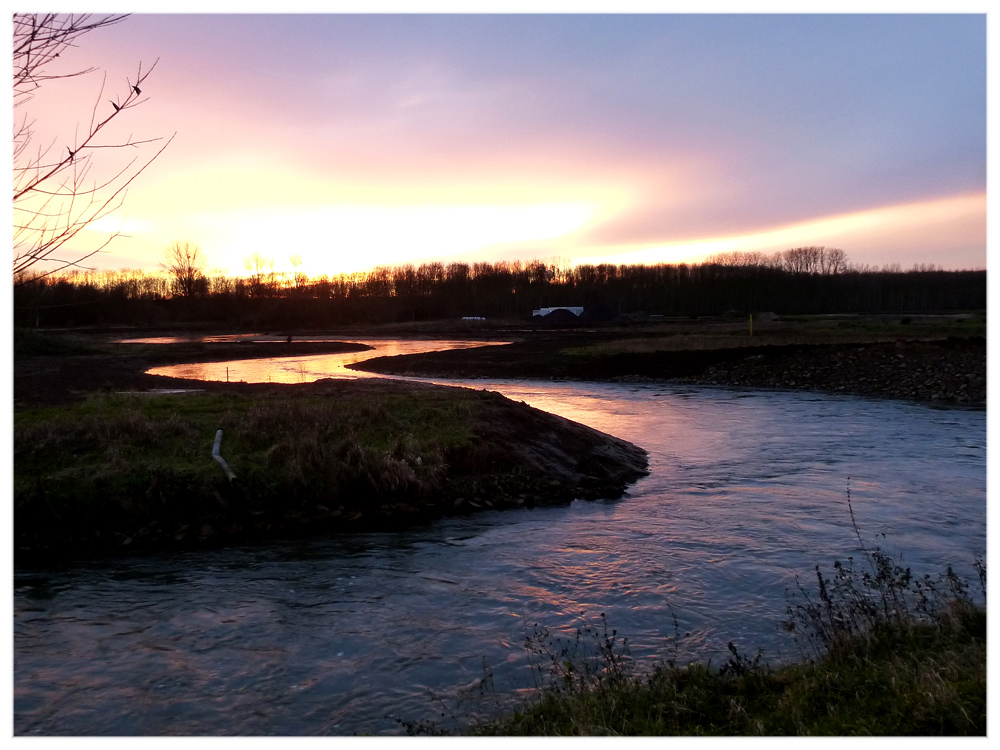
x=261 y=271
x=799 y=259
x=741 y=259
x=814 y=259
x=835 y=261
x=185 y=263
x=299 y=278
x=55 y=195
x=457 y=273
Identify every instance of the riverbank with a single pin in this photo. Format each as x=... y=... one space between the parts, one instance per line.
x=930 y=358
x=908 y=676
x=70 y=395
x=133 y=473
x=61 y=368
x=415 y=580
x=883 y=653
x=950 y=370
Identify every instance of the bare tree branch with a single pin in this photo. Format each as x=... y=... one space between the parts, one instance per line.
x=54 y=197
x=40 y=39
x=185 y=262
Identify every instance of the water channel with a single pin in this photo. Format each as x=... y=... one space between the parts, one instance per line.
x=747 y=493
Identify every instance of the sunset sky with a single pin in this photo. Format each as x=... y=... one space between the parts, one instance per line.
x=358 y=140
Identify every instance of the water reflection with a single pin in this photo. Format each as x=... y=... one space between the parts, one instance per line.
x=306 y=369
x=228 y=338
x=748 y=491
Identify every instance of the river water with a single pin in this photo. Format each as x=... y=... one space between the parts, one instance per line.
x=747 y=493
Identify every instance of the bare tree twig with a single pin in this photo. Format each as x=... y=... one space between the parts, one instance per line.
x=54 y=197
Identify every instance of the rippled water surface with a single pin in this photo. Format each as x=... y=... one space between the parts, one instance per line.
x=748 y=489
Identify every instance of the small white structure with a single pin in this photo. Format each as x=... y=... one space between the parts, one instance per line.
x=542 y=312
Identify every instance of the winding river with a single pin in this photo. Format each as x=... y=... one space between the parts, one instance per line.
x=748 y=492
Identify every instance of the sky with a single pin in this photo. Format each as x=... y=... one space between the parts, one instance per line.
x=352 y=141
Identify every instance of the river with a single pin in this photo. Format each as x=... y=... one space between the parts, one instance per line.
x=747 y=493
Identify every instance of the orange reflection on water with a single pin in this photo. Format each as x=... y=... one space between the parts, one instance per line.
x=306 y=369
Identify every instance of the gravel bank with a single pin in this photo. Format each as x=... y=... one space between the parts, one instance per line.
x=947 y=371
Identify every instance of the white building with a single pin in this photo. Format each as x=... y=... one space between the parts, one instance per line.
x=542 y=312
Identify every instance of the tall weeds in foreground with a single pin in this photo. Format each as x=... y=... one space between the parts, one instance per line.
x=884 y=653
x=861 y=602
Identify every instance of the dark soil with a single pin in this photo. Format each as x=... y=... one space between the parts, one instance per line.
x=951 y=370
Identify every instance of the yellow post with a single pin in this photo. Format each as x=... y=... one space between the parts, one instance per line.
x=751 y=324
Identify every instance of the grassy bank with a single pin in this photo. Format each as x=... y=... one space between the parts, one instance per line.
x=131 y=472
x=927 y=679
x=770 y=330
x=884 y=653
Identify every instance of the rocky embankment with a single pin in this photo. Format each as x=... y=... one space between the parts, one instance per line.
x=946 y=371
x=951 y=370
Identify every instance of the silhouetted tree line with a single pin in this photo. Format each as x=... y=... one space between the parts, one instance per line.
x=796 y=281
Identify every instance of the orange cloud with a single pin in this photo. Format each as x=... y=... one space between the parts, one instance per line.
x=957 y=222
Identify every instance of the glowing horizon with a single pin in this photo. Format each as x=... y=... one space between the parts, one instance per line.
x=355 y=141
x=829 y=231
x=450 y=233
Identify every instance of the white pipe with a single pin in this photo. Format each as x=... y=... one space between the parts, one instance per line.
x=216 y=448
